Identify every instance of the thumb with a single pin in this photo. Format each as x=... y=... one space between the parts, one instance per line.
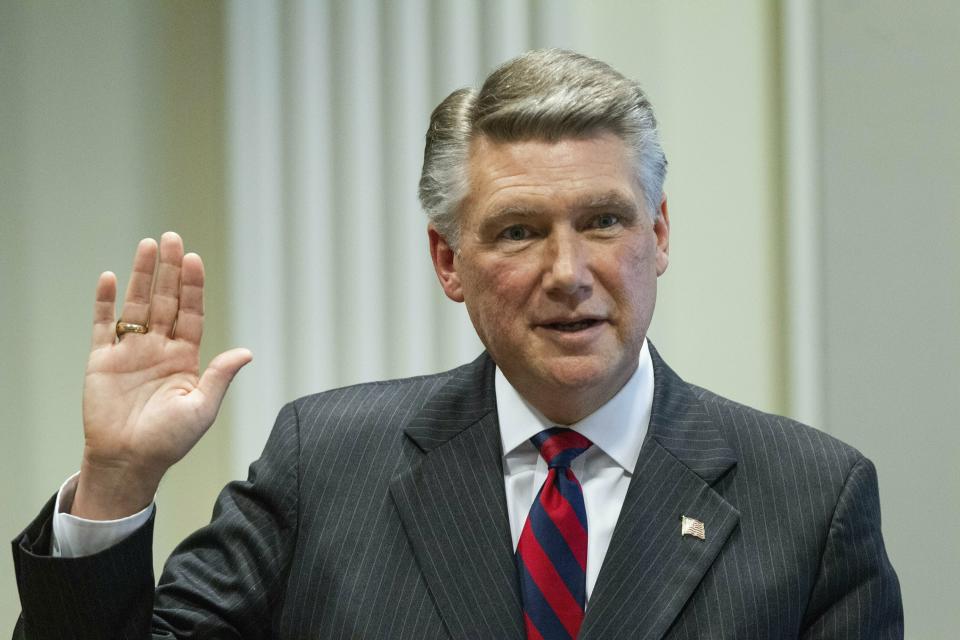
x=220 y=372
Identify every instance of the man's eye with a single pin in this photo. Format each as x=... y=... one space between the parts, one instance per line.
x=516 y=232
x=606 y=220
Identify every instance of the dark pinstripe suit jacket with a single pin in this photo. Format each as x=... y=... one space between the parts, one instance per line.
x=378 y=511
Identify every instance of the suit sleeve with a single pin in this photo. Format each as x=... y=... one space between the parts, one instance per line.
x=224 y=581
x=74 y=597
x=856 y=594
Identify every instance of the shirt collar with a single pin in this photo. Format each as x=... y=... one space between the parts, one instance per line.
x=617 y=428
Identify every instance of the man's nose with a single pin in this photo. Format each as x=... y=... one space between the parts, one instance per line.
x=567 y=268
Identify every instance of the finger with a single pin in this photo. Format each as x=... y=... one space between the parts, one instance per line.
x=166 y=287
x=220 y=372
x=190 y=317
x=104 y=308
x=136 y=302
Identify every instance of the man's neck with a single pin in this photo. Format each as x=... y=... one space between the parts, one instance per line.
x=566 y=404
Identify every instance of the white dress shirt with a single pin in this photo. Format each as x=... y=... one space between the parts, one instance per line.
x=616 y=429
x=74 y=537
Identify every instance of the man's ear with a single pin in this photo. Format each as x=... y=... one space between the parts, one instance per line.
x=661 y=227
x=444 y=263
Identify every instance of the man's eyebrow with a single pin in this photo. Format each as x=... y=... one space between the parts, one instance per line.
x=611 y=200
x=509 y=212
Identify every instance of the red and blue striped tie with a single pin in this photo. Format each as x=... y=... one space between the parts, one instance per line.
x=552 y=552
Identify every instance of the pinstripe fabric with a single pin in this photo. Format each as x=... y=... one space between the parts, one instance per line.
x=785 y=556
x=352 y=525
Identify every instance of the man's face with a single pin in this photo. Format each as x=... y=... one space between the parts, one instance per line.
x=558 y=265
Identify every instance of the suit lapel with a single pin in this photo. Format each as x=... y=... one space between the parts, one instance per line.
x=650 y=570
x=453 y=508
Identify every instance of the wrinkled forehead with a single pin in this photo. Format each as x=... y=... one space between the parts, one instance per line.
x=573 y=171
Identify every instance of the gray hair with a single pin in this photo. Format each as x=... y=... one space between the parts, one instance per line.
x=549 y=94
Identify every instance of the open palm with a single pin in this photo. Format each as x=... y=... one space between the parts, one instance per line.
x=145 y=403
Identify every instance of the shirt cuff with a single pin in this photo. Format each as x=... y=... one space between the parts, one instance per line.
x=74 y=537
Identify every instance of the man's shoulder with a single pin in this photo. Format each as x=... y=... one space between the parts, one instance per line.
x=392 y=400
x=372 y=396
x=779 y=439
x=353 y=429
x=758 y=439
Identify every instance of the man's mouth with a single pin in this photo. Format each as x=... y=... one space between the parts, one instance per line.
x=580 y=325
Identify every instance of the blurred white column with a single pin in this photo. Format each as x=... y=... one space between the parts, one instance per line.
x=259 y=307
x=310 y=265
x=801 y=190
x=412 y=289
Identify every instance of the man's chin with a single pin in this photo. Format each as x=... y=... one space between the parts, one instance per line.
x=581 y=373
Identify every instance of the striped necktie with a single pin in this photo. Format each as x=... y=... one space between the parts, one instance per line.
x=552 y=552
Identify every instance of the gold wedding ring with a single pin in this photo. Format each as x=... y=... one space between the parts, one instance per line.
x=129 y=327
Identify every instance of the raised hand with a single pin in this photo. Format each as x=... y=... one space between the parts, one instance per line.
x=145 y=403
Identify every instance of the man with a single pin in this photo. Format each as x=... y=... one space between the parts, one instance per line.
x=565 y=484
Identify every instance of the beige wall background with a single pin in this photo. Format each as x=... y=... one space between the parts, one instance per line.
x=113 y=126
x=890 y=204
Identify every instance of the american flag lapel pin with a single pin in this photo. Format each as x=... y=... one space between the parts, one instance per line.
x=692 y=527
